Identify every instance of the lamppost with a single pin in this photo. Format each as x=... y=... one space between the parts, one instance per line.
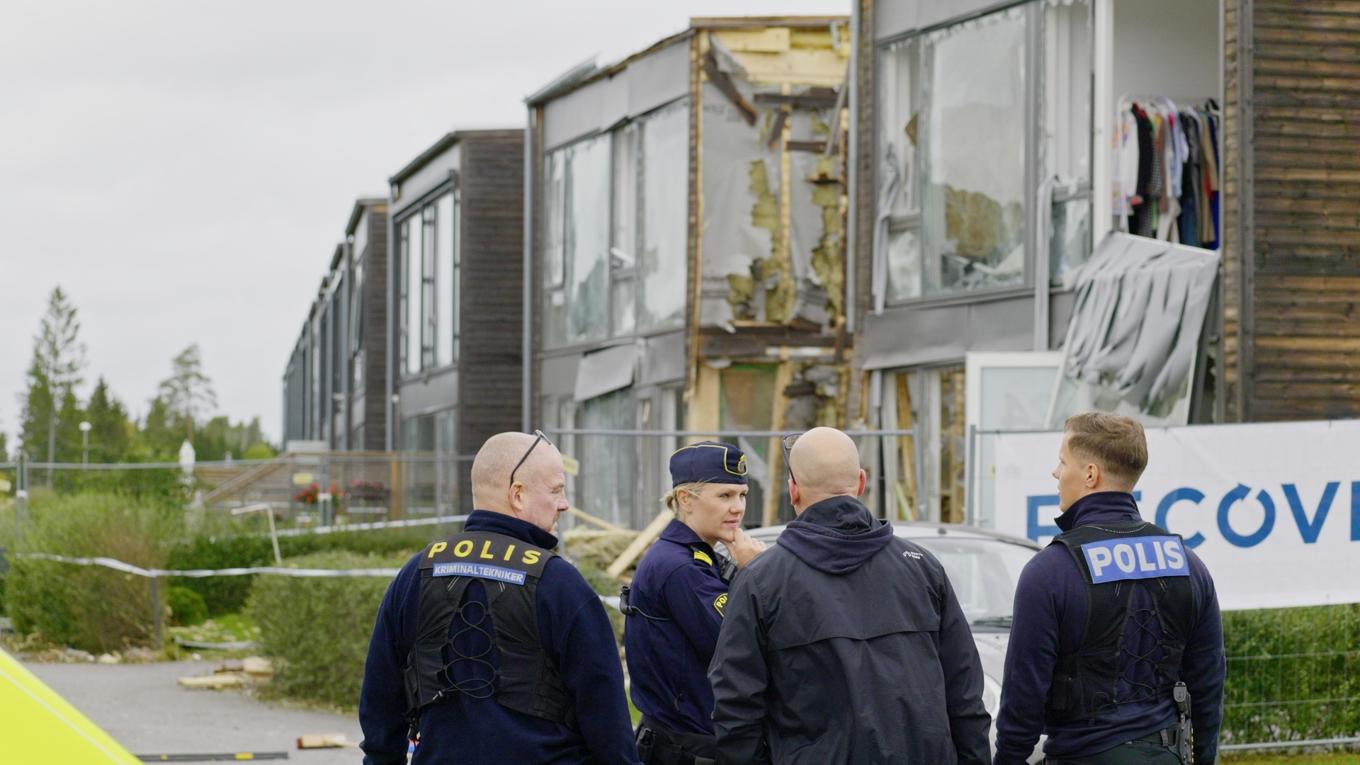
x=85 y=443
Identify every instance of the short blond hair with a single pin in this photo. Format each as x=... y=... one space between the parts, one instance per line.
x=672 y=498
x=1117 y=442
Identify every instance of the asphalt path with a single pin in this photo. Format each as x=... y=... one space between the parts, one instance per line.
x=143 y=707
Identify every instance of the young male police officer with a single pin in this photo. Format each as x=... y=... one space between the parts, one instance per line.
x=488 y=646
x=1109 y=619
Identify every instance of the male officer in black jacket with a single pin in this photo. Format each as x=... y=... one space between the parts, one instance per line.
x=844 y=643
x=488 y=645
x=1108 y=619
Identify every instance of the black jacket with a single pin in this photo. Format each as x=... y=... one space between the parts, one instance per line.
x=846 y=644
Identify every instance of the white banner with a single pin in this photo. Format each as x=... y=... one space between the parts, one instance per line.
x=1272 y=509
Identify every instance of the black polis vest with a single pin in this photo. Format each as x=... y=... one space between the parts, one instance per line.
x=525 y=678
x=1102 y=672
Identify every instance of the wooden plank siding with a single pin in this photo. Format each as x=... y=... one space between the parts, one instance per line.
x=1291 y=209
x=491 y=235
x=374 y=413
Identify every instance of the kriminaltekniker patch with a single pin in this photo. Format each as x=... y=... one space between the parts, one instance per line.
x=485 y=556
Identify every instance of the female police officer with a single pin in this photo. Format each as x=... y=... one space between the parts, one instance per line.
x=675 y=605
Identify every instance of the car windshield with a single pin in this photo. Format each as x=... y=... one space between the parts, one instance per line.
x=983 y=572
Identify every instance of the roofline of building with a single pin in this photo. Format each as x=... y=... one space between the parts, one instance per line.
x=587 y=72
x=356 y=212
x=444 y=144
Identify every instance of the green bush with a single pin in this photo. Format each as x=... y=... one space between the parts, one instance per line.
x=230 y=545
x=220 y=594
x=317 y=630
x=90 y=607
x=1293 y=674
x=186 y=606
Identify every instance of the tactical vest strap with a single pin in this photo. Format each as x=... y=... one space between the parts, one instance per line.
x=523 y=678
x=1116 y=561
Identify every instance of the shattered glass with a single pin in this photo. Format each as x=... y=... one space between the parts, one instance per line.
x=975 y=74
x=665 y=218
x=587 y=240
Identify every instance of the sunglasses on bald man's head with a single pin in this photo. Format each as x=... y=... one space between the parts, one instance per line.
x=787 y=442
x=538 y=436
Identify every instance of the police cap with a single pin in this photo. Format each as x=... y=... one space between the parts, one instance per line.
x=708 y=462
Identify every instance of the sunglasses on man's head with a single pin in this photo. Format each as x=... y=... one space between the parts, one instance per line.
x=538 y=436
x=787 y=442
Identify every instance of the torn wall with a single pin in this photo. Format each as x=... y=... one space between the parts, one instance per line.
x=773 y=189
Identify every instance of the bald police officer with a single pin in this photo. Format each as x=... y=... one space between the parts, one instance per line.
x=1116 y=622
x=489 y=648
x=676 y=601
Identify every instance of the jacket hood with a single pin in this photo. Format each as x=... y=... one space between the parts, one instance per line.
x=836 y=535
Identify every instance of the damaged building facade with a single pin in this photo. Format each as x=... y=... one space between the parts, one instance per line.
x=687 y=210
x=1006 y=277
x=453 y=306
x=1061 y=205
x=335 y=382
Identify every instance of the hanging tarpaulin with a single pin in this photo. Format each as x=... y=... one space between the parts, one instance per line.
x=1134 y=338
x=42 y=727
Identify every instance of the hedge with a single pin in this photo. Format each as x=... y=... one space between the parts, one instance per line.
x=227 y=547
x=1293 y=674
x=317 y=630
x=90 y=607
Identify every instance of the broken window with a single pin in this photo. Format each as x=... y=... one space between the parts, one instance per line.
x=974 y=158
x=665 y=218
x=608 y=463
x=554 y=306
x=956 y=125
x=623 y=249
x=587 y=235
x=1066 y=81
x=899 y=207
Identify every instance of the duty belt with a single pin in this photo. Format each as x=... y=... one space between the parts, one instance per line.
x=659 y=746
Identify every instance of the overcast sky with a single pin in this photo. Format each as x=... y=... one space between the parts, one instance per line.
x=184 y=169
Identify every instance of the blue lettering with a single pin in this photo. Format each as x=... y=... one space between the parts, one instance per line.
x=1238 y=494
x=1032 y=505
x=1309 y=529
x=1183 y=494
x=1355 y=511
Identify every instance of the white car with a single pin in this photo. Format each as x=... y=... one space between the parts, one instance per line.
x=983 y=567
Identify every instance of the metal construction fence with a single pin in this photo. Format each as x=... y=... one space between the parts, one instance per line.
x=1293 y=674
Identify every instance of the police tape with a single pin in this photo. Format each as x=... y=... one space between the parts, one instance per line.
x=371 y=526
x=611 y=601
x=198 y=573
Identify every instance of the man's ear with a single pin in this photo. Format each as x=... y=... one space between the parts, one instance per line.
x=514 y=497
x=863 y=478
x=1092 y=475
x=794 y=493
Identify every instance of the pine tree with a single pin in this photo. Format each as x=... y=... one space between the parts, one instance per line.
x=188 y=392
x=110 y=430
x=36 y=409
x=58 y=360
x=161 y=432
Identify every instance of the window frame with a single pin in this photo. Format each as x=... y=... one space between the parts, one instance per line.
x=422 y=212
x=618 y=271
x=1035 y=19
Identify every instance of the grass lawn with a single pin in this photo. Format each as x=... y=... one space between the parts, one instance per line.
x=1336 y=758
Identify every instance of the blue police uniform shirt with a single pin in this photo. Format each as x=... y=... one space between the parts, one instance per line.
x=668 y=661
